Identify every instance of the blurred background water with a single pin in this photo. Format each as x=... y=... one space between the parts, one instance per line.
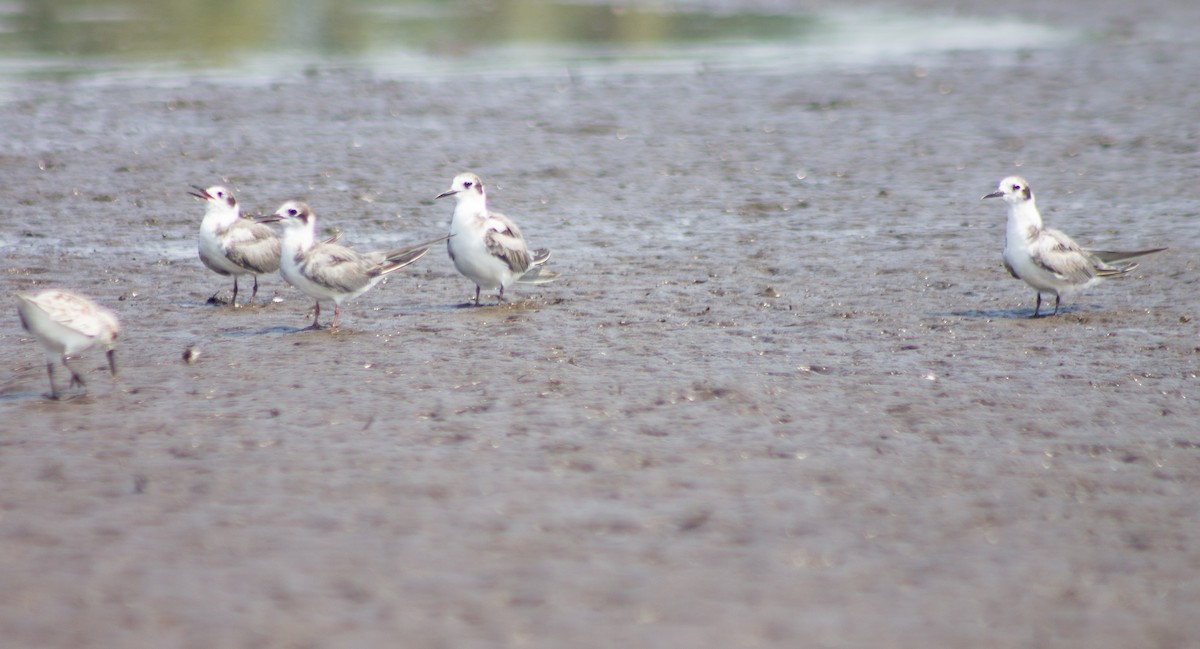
x=252 y=38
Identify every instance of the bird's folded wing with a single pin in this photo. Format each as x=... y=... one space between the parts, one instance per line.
x=1111 y=256
x=253 y=246
x=504 y=241
x=71 y=312
x=337 y=268
x=1057 y=253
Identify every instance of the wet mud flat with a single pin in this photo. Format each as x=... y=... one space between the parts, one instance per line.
x=783 y=395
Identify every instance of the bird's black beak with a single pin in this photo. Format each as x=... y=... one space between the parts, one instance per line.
x=993 y=195
x=446 y=193
x=201 y=193
x=268 y=218
x=112 y=361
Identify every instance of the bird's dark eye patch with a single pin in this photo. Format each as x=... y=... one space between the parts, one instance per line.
x=232 y=201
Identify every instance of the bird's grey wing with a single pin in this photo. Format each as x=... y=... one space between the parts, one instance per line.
x=504 y=240
x=253 y=246
x=338 y=268
x=1054 y=251
x=397 y=260
x=405 y=255
x=505 y=223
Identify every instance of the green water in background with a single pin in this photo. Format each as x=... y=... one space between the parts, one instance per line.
x=57 y=37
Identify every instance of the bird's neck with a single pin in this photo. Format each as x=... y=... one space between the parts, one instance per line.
x=219 y=218
x=471 y=207
x=1024 y=221
x=299 y=239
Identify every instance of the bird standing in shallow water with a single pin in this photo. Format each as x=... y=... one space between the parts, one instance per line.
x=67 y=324
x=327 y=271
x=1047 y=259
x=231 y=245
x=486 y=246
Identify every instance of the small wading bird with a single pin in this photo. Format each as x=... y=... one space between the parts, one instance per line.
x=231 y=245
x=327 y=271
x=1047 y=259
x=67 y=324
x=486 y=246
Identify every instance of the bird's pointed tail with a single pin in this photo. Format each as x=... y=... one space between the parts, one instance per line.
x=537 y=275
x=539 y=257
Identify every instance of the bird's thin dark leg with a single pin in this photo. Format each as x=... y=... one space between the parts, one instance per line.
x=254 y=293
x=76 y=379
x=316 y=315
x=1038 y=308
x=477 y=288
x=1057 y=299
x=500 y=295
x=50 y=371
x=234 y=302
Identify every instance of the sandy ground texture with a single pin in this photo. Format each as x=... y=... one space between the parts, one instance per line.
x=783 y=395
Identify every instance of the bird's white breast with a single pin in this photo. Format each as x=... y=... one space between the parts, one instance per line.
x=471 y=255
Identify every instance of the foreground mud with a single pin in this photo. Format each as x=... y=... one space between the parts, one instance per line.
x=783 y=395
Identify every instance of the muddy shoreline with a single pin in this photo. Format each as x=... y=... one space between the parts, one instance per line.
x=784 y=393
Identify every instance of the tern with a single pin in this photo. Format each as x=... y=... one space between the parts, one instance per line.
x=486 y=246
x=231 y=245
x=1047 y=259
x=328 y=271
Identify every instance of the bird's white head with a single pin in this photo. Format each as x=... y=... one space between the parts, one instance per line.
x=465 y=186
x=299 y=224
x=293 y=214
x=1014 y=190
x=217 y=198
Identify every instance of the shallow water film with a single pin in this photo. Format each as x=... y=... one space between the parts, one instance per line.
x=257 y=39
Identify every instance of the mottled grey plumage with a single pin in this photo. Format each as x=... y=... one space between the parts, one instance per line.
x=256 y=247
x=67 y=324
x=345 y=270
x=504 y=240
x=324 y=270
x=231 y=245
x=487 y=247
